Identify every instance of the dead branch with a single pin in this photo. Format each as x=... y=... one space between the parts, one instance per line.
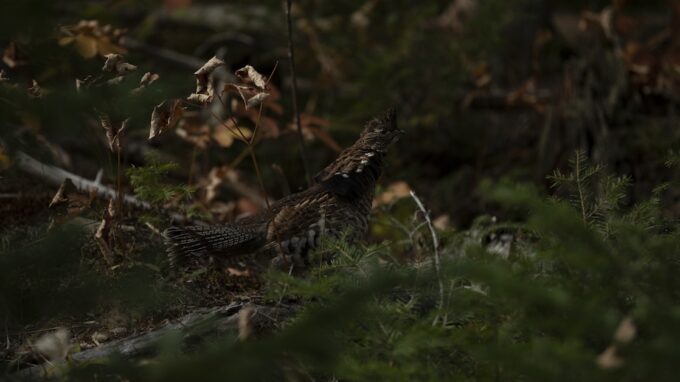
x=220 y=321
x=56 y=176
x=296 y=111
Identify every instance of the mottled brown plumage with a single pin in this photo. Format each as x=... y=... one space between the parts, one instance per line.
x=340 y=200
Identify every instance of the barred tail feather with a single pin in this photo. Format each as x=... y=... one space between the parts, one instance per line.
x=198 y=241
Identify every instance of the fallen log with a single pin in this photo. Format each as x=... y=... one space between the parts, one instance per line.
x=56 y=176
x=195 y=326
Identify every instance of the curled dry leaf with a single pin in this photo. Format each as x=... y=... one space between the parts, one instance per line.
x=84 y=83
x=165 y=116
x=112 y=134
x=74 y=201
x=115 y=80
x=114 y=63
x=103 y=234
x=626 y=331
x=608 y=359
x=202 y=74
x=147 y=79
x=216 y=177
x=256 y=100
x=98 y=338
x=442 y=222
x=200 y=98
x=35 y=90
x=245 y=325
x=248 y=74
x=55 y=345
x=91 y=39
x=238 y=272
x=13 y=56
x=246 y=92
x=204 y=89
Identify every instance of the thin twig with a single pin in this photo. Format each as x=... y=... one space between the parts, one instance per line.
x=435 y=243
x=57 y=176
x=251 y=150
x=296 y=111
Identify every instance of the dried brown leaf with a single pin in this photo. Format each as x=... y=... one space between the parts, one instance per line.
x=12 y=56
x=245 y=326
x=238 y=272
x=114 y=63
x=246 y=92
x=54 y=345
x=115 y=80
x=216 y=177
x=84 y=83
x=248 y=74
x=256 y=100
x=442 y=222
x=103 y=234
x=112 y=134
x=608 y=359
x=626 y=331
x=394 y=192
x=86 y=45
x=148 y=78
x=200 y=98
x=60 y=197
x=205 y=71
x=165 y=116
x=69 y=201
x=35 y=90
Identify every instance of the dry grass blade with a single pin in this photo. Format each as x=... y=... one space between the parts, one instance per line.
x=435 y=244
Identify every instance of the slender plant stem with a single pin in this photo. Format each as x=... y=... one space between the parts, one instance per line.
x=296 y=111
x=250 y=148
x=579 y=187
x=119 y=198
x=435 y=243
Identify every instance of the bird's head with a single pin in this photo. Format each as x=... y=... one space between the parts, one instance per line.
x=381 y=132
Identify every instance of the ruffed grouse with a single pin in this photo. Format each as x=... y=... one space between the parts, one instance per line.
x=339 y=201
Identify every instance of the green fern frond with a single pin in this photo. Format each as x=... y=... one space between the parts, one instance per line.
x=148 y=183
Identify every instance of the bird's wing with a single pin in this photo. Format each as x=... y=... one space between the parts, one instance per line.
x=298 y=226
x=211 y=240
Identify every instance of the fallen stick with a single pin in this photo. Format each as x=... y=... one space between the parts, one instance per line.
x=222 y=320
x=57 y=176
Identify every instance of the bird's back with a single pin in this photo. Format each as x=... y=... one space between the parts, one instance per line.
x=340 y=201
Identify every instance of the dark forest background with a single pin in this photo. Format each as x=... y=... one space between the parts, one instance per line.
x=541 y=136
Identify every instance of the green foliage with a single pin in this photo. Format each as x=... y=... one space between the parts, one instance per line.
x=547 y=309
x=148 y=182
